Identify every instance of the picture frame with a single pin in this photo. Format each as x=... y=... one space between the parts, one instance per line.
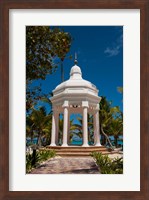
x=4 y=100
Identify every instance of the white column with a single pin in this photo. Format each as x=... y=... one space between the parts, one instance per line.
x=68 y=136
x=65 y=124
x=57 y=127
x=53 y=134
x=85 y=123
x=96 y=127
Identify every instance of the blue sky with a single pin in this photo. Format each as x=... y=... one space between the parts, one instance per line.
x=100 y=57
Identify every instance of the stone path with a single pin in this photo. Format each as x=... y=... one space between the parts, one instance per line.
x=68 y=165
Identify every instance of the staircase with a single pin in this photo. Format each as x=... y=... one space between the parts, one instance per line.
x=77 y=150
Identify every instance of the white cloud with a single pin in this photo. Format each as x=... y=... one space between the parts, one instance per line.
x=112 y=51
x=115 y=49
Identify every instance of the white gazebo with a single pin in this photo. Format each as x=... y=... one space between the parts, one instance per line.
x=75 y=95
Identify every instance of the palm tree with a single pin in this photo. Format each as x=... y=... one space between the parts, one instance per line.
x=77 y=128
x=116 y=129
x=42 y=123
x=29 y=128
x=60 y=134
x=47 y=131
x=90 y=129
x=107 y=114
x=46 y=99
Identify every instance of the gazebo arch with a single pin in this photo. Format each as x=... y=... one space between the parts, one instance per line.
x=75 y=95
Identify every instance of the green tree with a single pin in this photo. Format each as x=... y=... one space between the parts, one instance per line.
x=43 y=46
x=77 y=128
x=46 y=48
x=116 y=129
x=90 y=129
x=60 y=134
x=120 y=90
x=29 y=128
x=107 y=115
x=41 y=123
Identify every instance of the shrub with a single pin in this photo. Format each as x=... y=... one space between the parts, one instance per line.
x=44 y=154
x=107 y=165
x=32 y=160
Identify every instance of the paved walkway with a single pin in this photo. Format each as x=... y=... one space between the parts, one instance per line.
x=68 y=165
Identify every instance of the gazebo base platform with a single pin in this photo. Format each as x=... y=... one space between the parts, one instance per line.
x=77 y=150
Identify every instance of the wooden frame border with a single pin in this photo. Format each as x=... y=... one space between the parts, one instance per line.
x=5 y=5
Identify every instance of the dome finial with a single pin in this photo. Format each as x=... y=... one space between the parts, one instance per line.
x=76 y=61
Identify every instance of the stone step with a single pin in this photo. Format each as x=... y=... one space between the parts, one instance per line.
x=80 y=150
x=77 y=150
x=77 y=147
x=63 y=154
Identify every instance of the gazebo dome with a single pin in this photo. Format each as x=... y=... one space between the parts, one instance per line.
x=76 y=85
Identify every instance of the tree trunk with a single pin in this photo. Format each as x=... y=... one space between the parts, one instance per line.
x=115 y=137
x=103 y=140
x=34 y=157
x=107 y=138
